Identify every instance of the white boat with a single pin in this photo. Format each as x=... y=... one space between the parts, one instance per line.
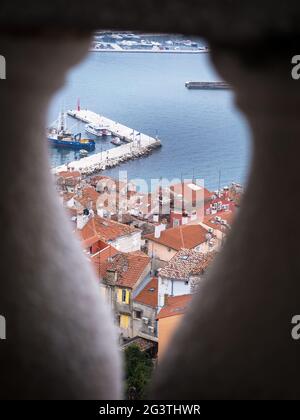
x=97 y=130
x=83 y=153
x=116 y=141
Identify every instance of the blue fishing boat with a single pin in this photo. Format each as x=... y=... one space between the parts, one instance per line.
x=60 y=136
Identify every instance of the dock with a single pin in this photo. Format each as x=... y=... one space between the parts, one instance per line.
x=135 y=145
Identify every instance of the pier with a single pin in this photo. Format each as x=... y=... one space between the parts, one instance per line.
x=135 y=145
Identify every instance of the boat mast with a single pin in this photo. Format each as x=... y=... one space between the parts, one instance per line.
x=65 y=120
x=62 y=121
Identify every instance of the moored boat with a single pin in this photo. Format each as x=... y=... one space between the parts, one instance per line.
x=73 y=142
x=97 y=130
x=60 y=136
x=83 y=153
x=116 y=141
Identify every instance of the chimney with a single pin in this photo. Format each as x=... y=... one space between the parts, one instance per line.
x=100 y=210
x=166 y=298
x=155 y=218
x=82 y=220
x=158 y=230
x=111 y=277
x=185 y=218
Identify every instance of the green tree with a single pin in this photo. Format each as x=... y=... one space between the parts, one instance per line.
x=139 y=368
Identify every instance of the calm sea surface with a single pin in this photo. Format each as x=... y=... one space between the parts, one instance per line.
x=201 y=131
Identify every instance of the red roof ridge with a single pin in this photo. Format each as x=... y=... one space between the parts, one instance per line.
x=176 y=305
x=188 y=235
x=129 y=266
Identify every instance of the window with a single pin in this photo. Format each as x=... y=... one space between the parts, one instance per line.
x=124 y=321
x=124 y=296
x=138 y=314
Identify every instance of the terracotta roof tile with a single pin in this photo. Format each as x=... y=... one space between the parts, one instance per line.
x=87 y=197
x=129 y=266
x=186 y=236
x=212 y=222
x=68 y=174
x=187 y=263
x=100 y=260
x=176 y=305
x=105 y=229
x=149 y=295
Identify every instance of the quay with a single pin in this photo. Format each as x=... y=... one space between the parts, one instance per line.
x=136 y=145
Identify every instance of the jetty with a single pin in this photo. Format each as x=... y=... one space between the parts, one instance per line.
x=134 y=145
x=207 y=85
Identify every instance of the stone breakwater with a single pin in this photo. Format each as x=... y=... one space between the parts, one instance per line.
x=137 y=145
x=108 y=159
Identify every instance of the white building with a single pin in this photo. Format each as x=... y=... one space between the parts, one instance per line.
x=182 y=274
x=122 y=237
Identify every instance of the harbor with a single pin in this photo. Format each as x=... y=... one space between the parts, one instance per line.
x=186 y=120
x=142 y=43
x=131 y=144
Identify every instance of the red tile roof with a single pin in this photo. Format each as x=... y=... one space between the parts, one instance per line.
x=186 y=236
x=176 y=305
x=108 y=182
x=68 y=174
x=186 y=263
x=211 y=221
x=104 y=229
x=149 y=295
x=100 y=260
x=130 y=266
x=88 y=197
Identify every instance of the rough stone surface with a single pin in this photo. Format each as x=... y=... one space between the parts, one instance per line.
x=225 y=22
x=235 y=342
x=60 y=337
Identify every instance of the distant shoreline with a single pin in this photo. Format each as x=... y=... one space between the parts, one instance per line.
x=148 y=51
